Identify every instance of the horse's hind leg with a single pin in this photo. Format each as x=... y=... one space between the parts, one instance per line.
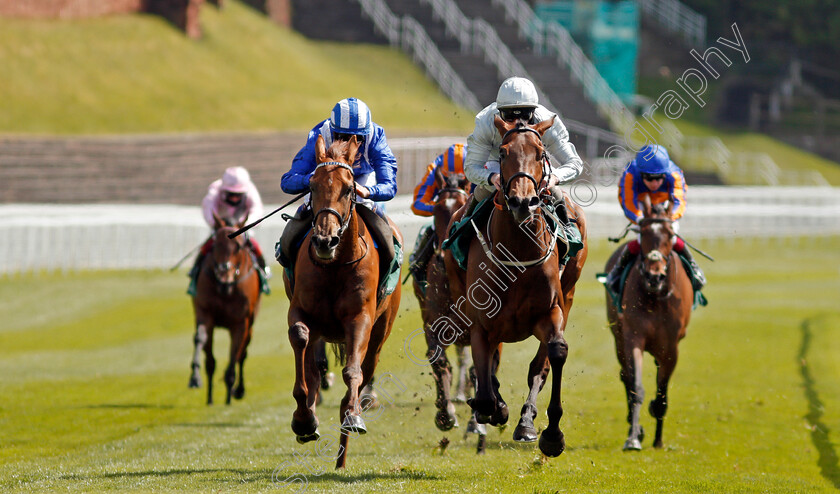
x=304 y=421
x=631 y=375
x=327 y=377
x=525 y=432
x=464 y=364
x=659 y=405
x=199 y=340
x=237 y=347
x=445 y=418
x=552 y=443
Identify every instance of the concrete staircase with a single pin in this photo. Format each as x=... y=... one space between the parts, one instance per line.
x=334 y=20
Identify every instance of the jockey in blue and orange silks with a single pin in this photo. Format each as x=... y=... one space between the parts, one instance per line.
x=450 y=162
x=652 y=173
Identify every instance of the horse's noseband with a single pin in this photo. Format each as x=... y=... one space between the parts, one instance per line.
x=345 y=221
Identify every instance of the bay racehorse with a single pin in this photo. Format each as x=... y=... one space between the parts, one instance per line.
x=227 y=295
x=515 y=285
x=435 y=302
x=335 y=296
x=652 y=316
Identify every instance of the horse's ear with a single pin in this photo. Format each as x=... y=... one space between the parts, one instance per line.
x=439 y=180
x=320 y=149
x=502 y=126
x=545 y=124
x=646 y=207
x=353 y=149
x=669 y=210
x=219 y=222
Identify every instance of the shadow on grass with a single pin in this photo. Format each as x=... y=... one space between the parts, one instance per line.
x=828 y=461
x=231 y=425
x=344 y=478
x=130 y=406
x=247 y=475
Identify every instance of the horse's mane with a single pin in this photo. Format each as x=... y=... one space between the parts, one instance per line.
x=338 y=149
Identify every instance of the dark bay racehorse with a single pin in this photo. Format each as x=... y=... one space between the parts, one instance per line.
x=227 y=295
x=516 y=286
x=435 y=302
x=655 y=310
x=335 y=296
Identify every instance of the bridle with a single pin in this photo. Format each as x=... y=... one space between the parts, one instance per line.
x=657 y=255
x=543 y=161
x=221 y=268
x=345 y=221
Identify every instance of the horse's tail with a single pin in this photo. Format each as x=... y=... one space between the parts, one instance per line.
x=339 y=352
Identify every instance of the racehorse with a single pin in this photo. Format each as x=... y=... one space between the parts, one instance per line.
x=435 y=303
x=227 y=295
x=515 y=285
x=335 y=296
x=655 y=309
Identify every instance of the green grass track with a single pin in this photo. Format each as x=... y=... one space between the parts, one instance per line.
x=93 y=395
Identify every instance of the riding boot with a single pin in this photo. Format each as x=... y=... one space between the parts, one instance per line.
x=422 y=254
x=296 y=228
x=559 y=203
x=614 y=277
x=193 y=274
x=698 y=279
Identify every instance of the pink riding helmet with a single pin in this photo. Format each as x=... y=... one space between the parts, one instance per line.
x=235 y=180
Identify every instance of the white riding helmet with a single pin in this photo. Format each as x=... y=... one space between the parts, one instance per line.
x=236 y=180
x=517 y=92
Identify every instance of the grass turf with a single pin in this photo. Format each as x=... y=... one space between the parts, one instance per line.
x=94 y=394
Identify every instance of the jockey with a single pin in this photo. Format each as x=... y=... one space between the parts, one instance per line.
x=233 y=196
x=652 y=173
x=450 y=162
x=375 y=168
x=517 y=99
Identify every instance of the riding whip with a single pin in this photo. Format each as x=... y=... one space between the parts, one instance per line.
x=252 y=225
x=190 y=253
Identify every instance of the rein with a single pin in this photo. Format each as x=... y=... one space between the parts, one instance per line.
x=543 y=161
x=345 y=222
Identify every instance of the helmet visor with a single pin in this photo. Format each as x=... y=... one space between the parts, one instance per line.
x=516 y=114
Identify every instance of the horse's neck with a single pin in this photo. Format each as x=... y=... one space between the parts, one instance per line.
x=523 y=241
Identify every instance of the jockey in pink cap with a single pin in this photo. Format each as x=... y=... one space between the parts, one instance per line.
x=236 y=198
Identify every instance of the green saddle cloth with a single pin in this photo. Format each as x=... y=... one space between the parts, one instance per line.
x=699 y=299
x=461 y=234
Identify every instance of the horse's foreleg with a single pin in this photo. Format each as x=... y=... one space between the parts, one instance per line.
x=237 y=346
x=464 y=364
x=537 y=373
x=209 y=364
x=659 y=405
x=357 y=338
x=199 y=340
x=304 y=421
x=632 y=377
x=484 y=403
x=552 y=443
x=239 y=389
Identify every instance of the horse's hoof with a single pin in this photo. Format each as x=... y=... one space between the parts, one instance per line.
x=473 y=427
x=632 y=444
x=525 y=434
x=552 y=446
x=308 y=437
x=195 y=382
x=445 y=421
x=239 y=393
x=657 y=444
x=500 y=415
x=305 y=428
x=353 y=423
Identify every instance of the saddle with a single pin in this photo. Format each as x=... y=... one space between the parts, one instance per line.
x=462 y=232
x=384 y=241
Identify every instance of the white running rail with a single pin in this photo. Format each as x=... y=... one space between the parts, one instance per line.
x=676 y=17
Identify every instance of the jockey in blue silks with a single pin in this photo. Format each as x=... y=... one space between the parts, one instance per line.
x=375 y=169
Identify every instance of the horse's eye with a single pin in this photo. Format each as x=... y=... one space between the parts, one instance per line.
x=502 y=153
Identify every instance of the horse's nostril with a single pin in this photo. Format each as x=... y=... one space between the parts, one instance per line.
x=533 y=202
x=514 y=202
x=333 y=242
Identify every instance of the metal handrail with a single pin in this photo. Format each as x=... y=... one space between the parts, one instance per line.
x=676 y=17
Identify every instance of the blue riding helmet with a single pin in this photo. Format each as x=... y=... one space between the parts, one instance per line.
x=351 y=116
x=653 y=160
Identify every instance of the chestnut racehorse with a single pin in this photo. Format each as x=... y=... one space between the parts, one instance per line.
x=655 y=310
x=227 y=295
x=435 y=302
x=515 y=285
x=335 y=295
